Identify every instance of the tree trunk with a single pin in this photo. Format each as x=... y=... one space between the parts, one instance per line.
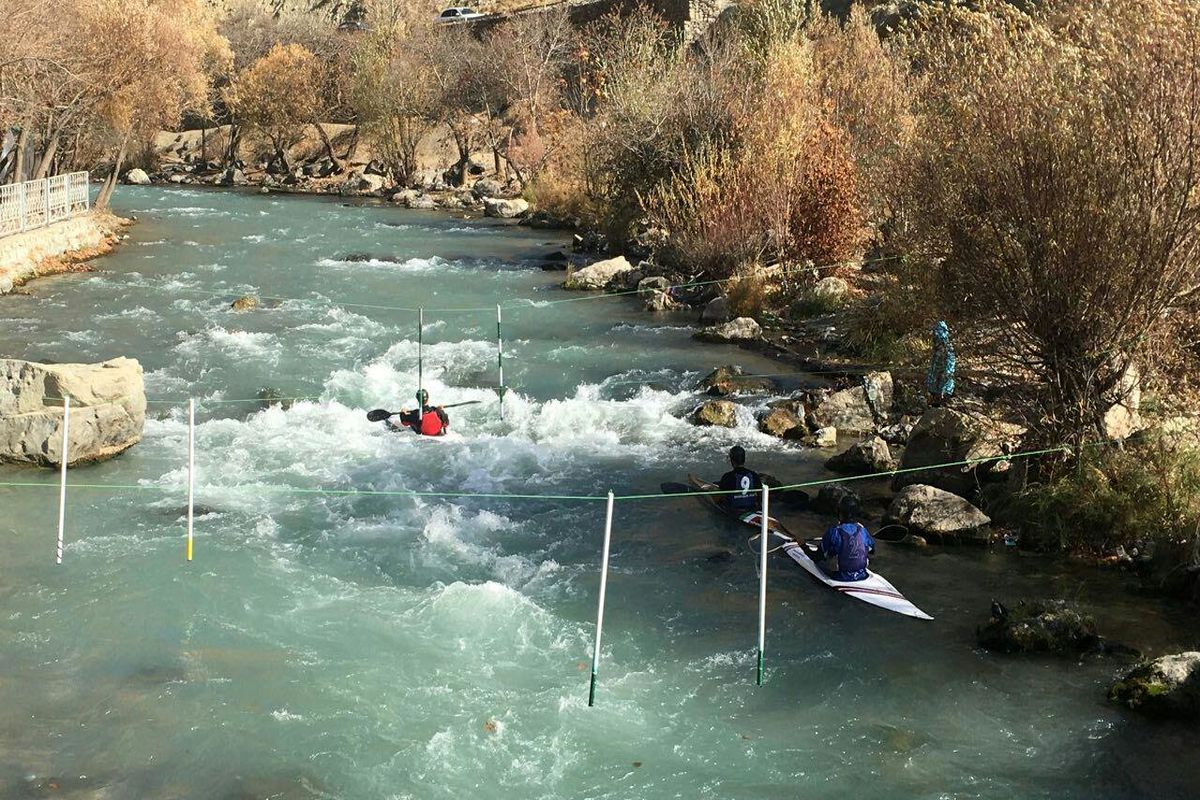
x=110 y=182
x=235 y=135
x=47 y=159
x=19 y=162
x=337 y=162
x=204 y=145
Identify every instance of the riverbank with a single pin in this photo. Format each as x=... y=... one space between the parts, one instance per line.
x=65 y=246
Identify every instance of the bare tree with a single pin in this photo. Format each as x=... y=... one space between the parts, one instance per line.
x=1053 y=197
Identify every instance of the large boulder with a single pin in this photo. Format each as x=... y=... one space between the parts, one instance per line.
x=972 y=443
x=246 y=302
x=658 y=301
x=742 y=329
x=137 y=177
x=846 y=410
x=718 y=413
x=831 y=290
x=364 y=184
x=867 y=457
x=232 y=177
x=1165 y=687
x=108 y=410
x=783 y=423
x=732 y=379
x=1043 y=626
x=505 y=209
x=598 y=275
x=929 y=510
x=858 y=409
x=830 y=496
x=486 y=187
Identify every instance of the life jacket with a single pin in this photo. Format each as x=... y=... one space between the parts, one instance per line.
x=852 y=552
x=430 y=424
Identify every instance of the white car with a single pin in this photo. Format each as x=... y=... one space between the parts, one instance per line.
x=458 y=14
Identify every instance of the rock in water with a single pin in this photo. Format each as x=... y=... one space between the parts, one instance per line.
x=742 y=329
x=1165 y=687
x=732 y=379
x=598 y=275
x=864 y=458
x=137 y=177
x=825 y=437
x=1043 y=626
x=246 y=302
x=927 y=509
x=830 y=497
x=505 y=209
x=720 y=413
x=108 y=410
x=657 y=302
x=782 y=423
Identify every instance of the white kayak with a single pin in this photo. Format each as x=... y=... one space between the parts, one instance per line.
x=874 y=589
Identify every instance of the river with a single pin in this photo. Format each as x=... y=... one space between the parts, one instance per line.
x=323 y=644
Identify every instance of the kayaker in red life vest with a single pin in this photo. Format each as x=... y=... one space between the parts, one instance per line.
x=432 y=421
x=848 y=541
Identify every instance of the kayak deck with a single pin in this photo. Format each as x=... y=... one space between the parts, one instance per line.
x=875 y=590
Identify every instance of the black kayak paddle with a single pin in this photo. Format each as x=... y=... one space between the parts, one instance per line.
x=380 y=414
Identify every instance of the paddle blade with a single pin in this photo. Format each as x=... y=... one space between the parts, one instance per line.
x=675 y=488
x=378 y=415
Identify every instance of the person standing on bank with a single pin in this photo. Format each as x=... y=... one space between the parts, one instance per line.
x=939 y=381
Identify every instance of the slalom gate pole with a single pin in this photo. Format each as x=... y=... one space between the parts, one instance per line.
x=600 y=609
x=763 y=547
x=191 y=474
x=420 y=362
x=500 y=359
x=62 y=488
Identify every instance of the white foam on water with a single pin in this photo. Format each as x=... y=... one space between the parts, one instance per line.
x=431 y=264
x=239 y=344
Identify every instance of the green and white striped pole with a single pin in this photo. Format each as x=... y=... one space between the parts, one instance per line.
x=500 y=358
x=763 y=547
x=603 y=587
x=420 y=362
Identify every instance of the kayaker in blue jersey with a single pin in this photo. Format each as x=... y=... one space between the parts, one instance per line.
x=849 y=542
x=745 y=483
x=939 y=381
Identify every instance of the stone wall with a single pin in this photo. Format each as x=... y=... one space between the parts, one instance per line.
x=54 y=248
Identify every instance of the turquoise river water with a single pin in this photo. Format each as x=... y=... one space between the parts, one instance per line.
x=325 y=645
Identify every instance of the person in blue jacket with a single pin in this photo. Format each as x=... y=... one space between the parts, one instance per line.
x=939 y=381
x=849 y=542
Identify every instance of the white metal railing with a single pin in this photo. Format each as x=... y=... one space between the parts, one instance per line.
x=34 y=204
